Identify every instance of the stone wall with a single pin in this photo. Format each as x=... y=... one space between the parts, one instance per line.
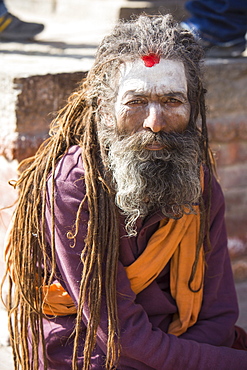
x=174 y=7
x=229 y=144
x=31 y=104
x=227 y=122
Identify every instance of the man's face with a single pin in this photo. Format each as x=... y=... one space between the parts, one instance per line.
x=153 y=158
x=152 y=98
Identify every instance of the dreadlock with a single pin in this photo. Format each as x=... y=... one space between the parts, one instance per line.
x=76 y=124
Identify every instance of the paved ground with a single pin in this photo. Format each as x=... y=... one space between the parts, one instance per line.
x=66 y=45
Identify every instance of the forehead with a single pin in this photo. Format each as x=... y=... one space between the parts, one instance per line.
x=167 y=75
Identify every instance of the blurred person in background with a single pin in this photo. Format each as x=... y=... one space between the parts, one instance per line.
x=221 y=25
x=14 y=29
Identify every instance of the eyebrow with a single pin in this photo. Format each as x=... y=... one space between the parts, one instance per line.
x=180 y=94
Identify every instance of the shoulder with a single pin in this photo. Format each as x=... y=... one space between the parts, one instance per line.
x=213 y=194
x=69 y=176
x=70 y=166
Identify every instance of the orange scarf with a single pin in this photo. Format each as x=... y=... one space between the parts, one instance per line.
x=57 y=302
x=175 y=241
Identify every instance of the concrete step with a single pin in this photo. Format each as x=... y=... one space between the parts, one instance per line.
x=174 y=7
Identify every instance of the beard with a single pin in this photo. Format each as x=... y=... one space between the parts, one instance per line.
x=146 y=181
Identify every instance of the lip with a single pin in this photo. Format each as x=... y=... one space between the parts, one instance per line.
x=154 y=146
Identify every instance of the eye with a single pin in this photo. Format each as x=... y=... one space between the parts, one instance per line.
x=134 y=102
x=171 y=101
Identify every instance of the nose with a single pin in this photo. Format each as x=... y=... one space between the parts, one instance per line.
x=155 y=119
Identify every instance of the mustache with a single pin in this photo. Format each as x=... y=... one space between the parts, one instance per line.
x=170 y=140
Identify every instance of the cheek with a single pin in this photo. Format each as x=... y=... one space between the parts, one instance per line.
x=106 y=115
x=178 y=118
x=129 y=120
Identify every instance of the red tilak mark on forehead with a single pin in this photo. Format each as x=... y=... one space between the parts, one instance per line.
x=151 y=59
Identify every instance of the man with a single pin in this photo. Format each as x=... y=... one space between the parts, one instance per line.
x=118 y=249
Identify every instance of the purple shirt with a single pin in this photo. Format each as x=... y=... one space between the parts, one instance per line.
x=144 y=318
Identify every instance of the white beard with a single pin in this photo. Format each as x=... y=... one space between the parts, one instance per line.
x=146 y=181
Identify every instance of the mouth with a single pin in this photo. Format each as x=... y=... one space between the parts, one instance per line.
x=154 y=146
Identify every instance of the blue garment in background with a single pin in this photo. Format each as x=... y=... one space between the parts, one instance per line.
x=3 y=9
x=221 y=20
